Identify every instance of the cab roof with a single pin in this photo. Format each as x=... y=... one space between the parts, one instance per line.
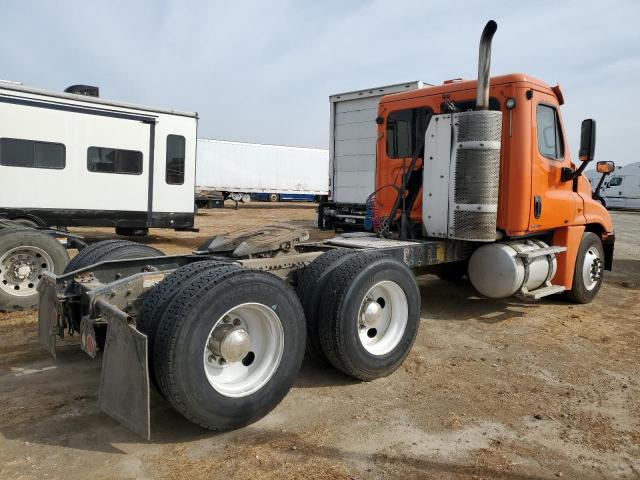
x=459 y=85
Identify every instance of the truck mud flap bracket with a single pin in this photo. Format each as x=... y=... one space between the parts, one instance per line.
x=48 y=315
x=124 y=381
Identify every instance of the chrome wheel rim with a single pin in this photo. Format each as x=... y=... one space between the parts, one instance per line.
x=251 y=337
x=382 y=319
x=592 y=269
x=21 y=269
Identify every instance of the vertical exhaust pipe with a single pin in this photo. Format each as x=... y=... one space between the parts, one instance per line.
x=484 y=65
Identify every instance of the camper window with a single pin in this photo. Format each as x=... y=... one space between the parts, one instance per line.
x=112 y=160
x=31 y=154
x=175 y=160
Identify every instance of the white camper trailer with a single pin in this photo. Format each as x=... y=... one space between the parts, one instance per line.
x=72 y=159
x=622 y=190
x=352 y=154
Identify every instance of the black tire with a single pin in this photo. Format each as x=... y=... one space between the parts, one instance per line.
x=158 y=298
x=110 y=250
x=26 y=222
x=11 y=238
x=132 y=231
x=311 y=285
x=452 y=271
x=579 y=292
x=185 y=326
x=274 y=197
x=340 y=309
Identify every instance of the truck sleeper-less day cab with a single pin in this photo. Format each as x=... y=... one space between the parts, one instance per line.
x=479 y=186
x=623 y=188
x=73 y=159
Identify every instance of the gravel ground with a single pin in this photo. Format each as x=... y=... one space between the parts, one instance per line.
x=492 y=389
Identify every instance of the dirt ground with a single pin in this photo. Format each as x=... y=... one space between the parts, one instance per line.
x=492 y=389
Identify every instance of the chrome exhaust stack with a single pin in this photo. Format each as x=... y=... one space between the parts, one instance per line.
x=484 y=65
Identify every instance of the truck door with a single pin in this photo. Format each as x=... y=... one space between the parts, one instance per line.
x=631 y=191
x=553 y=202
x=614 y=191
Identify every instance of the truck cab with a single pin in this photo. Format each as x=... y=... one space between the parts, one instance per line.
x=537 y=195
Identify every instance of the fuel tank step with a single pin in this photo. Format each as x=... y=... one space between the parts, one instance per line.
x=543 y=292
x=540 y=252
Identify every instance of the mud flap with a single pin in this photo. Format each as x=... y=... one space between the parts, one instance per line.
x=48 y=316
x=124 y=382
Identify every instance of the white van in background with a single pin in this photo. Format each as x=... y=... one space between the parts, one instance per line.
x=622 y=189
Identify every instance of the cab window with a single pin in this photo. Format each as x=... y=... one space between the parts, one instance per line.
x=550 y=142
x=404 y=129
x=615 y=181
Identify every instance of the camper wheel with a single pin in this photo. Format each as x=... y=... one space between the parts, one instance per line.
x=25 y=254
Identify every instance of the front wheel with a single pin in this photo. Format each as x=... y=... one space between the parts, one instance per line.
x=274 y=197
x=589 y=270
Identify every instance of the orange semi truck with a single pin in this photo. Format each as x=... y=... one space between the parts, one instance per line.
x=472 y=178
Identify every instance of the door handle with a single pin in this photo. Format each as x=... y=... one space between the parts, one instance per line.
x=537 y=206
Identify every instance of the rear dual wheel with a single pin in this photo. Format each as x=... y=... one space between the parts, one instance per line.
x=240 y=197
x=368 y=312
x=228 y=345
x=311 y=285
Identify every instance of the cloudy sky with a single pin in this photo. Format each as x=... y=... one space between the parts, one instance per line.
x=262 y=71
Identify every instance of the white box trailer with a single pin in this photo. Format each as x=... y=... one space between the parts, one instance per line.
x=352 y=153
x=72 y=159
x=239 y=170
x=622 y=189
